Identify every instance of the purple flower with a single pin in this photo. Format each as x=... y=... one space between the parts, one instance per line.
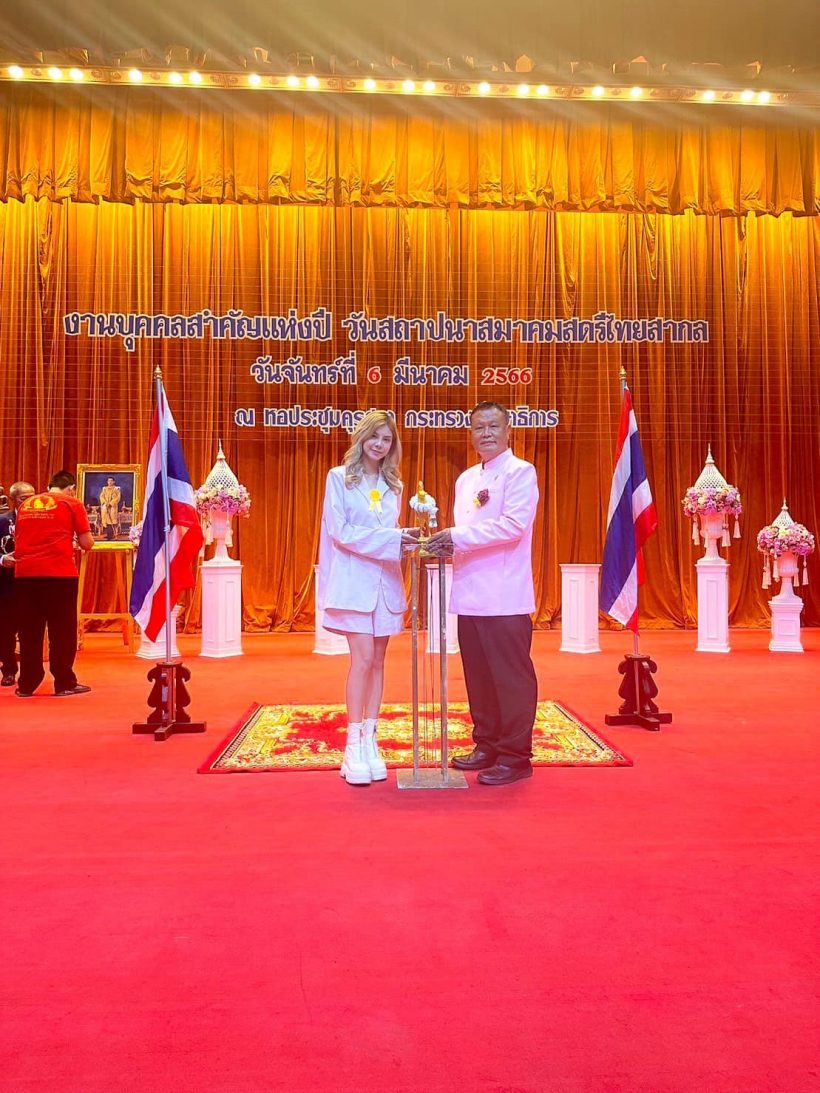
x=481 y=498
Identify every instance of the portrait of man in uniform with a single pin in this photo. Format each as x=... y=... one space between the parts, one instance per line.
x=111 y=496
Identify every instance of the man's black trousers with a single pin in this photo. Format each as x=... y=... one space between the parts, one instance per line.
x=46 y=603
x=501 y=686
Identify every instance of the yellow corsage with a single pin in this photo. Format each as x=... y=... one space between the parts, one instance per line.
x=375 y=501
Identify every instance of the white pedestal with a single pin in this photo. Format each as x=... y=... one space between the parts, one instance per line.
x=221 y=608
x=713 y=605
x=786 y=608
x=579 y=608
x=326 y=643
x=155 y=650
x=433 y=614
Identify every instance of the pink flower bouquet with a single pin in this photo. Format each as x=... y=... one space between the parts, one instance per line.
x=793 y=539
x=233 y=500
x=708 y=500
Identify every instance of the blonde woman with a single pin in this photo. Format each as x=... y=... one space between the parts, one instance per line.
x=361 y=591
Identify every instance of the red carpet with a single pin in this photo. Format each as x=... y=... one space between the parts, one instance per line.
x=642 y=929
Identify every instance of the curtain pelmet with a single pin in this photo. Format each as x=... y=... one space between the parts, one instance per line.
x=127 y=144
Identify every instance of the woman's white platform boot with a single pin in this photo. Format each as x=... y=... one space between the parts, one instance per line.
x=373 y=758
x=355 y=766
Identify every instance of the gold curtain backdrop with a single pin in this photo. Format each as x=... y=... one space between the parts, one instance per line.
x=124 y=144
x=388 y=237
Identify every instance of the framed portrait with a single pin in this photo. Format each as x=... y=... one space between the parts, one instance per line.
x=111 y=494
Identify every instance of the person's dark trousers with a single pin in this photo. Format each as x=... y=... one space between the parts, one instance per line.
x=501 y=685
x=46 y=603
x=8 y=634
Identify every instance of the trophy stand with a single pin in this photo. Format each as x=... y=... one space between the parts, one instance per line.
x=426 y=774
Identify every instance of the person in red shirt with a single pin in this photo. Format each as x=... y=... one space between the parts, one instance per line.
x=45 y=584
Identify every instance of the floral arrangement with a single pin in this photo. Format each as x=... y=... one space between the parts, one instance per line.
x=710 y=500
x=232 y=500
x=481 y=498
x=794 y=539
x=775 y=540
x=135 y=533
x=425 y=504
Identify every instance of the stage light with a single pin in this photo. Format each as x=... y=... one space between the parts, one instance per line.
x=312 y=81
x=292 y=81
x=764 y=96
x=408 y=85
x=747 y=95
x=708 y=96
x=195 y=77
x=429 y=86
x=543 y=89
x=636 y=92
x=523 y=89
x=76 y=74
x=597 y=91
x=175 y=77
x=135 y=76
x=370 y=84
x=16 y=72
x=254 y=79
x=483 y=88
x=55 y=73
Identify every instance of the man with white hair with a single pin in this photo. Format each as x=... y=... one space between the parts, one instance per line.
x=8 y=612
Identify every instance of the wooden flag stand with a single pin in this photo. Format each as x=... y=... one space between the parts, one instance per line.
x=637 y=689
x=168 y=698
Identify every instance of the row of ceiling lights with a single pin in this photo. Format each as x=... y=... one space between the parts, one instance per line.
x=312 y=82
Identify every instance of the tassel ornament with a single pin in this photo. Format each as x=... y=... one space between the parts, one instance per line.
x=775 y=572
x=695 y=535
x=737 y=528
x=724 y=538
x=767 y=574
x=805 y=570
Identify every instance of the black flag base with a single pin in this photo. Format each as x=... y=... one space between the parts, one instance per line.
x=637 y=689
x=168 y=698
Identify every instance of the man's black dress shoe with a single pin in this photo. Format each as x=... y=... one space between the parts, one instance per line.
x=7 y=681
x=477 y=759
x=501 y=775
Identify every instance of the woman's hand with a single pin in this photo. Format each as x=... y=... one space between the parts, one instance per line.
x=410 y=537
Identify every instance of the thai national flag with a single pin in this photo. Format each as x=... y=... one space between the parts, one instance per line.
x=185 y=538
x=631 y=521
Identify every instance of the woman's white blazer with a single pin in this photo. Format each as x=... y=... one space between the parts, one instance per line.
x=359 y=549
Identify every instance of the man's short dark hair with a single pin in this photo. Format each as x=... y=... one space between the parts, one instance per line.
x=487 y=405
x=61 y=480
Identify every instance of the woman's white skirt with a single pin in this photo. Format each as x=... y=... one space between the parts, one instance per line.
x=381 y=622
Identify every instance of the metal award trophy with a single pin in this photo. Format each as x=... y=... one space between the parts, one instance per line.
x=430 y=770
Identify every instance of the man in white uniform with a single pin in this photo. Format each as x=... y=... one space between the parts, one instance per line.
x=491 y=544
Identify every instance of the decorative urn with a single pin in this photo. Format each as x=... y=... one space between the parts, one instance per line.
x=218 y=500
x=783 y=543
x=710 y=503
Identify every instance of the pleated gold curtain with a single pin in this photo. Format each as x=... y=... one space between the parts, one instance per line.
x=137 y=201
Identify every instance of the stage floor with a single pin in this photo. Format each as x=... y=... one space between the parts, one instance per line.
x=650 y=928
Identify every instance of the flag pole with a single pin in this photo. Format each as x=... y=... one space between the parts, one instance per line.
x=166 y=508
x=636 y=640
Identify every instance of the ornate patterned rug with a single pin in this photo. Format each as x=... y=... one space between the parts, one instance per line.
x=272 y=738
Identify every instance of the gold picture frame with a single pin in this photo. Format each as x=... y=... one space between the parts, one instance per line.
x=111 y=515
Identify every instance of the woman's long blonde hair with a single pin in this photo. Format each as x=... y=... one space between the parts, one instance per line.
x=353 y=456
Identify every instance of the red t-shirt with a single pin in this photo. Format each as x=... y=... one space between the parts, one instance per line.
x=44 y=535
